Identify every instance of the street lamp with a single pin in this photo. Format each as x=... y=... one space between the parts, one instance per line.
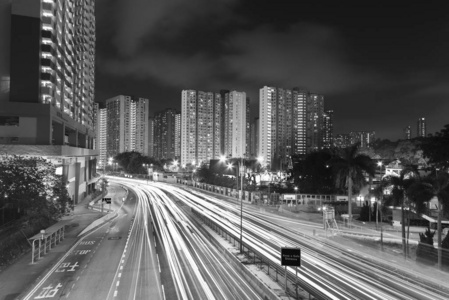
x=296 y=196
x=240 y=170
x=379 y=164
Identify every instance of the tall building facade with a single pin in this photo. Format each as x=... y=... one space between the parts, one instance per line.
x=201 y=126
x=328 y=129
x=408 y=132
x=165 y=134
x=213 y=124
x=127 y=123
x=47 y=63
x=100 y=125
x=178 y=136
x=236 y=124
x=254 y=150
x=421 y=127
x=342 y=140
x=151 y=137
x=291 y=122
x=365 y=138
x=314 y=126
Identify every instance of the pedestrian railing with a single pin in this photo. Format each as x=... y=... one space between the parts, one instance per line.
x=44 y=241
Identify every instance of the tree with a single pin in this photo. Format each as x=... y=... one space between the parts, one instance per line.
x=349 y=168
x=435 y=186
x=399 y=185
x=314 y=174
x=32 y=188
x=436 y=148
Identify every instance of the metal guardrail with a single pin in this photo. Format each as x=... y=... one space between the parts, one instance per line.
x=277 y=268
x=45 y=242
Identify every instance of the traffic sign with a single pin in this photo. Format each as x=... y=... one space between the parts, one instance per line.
x=291 y=257
x=107 y=200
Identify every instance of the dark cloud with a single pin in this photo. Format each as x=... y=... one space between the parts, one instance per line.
x=373 y=77
x=139 y=20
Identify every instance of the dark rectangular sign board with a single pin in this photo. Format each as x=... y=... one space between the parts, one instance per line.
x=291 y=257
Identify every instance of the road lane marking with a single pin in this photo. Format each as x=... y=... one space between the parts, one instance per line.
x=118 y=283
x=115 y=294
x=119 y=275
x=158 y=264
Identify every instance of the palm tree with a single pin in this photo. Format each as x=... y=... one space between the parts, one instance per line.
x=399 y=196
x=435 y=186
x=349 y=169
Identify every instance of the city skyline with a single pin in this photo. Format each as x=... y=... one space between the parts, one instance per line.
x=372 y=62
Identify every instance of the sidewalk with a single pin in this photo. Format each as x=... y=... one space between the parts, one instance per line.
x=19 y=276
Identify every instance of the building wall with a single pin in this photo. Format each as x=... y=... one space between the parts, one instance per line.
x=328 y=129
x=299 y=100
x=267 y=132
x=421 y=127
x=127 y=123
x=151 y=137
x=188 y=126
x=217 y=126
x=238 y=124
x=178 y=135
x=100 y=126
x=315 y=112
x=204 y=136
x=165 y=134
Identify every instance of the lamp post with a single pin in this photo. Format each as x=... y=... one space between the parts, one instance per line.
x=146 y=167
x=379 y=164
x=240 y=170
x=296 y=194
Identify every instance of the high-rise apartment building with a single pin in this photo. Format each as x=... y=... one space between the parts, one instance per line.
x=127 y=120
x=291 y=122
x=421 y=127
x=178 y=136
x=165 y=134
x=151 y=137
x=365 y=138
x=100 y=126
x=299 y=120
x=236 y=125
x=342 y=140
x=214 y=124
x=408 y=132
x=328 y=129
x=47 y=63
x=201 y=126
x=254 y=150
x=314 y=125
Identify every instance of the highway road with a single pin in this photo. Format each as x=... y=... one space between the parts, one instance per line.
x=117 y=261
x=156 y=248
x=330 y=272
x=153 y=249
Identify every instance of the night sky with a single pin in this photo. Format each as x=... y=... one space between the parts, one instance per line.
x=380 y=65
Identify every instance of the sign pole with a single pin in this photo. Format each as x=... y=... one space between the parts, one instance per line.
x=296 y=282
x=286 y=292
